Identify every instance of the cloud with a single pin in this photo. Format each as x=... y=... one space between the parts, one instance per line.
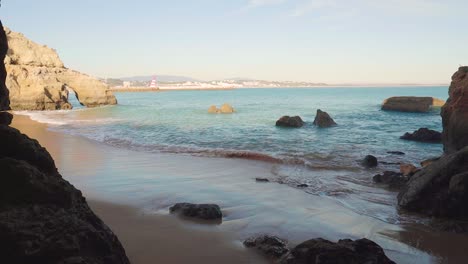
x=258 y=3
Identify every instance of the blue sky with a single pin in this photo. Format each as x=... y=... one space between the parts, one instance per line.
x=334 y=41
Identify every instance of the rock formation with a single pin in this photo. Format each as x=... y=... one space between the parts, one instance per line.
x=290 y=121
x=4 y=94
x=38 y=80
x=369 y=161
x=225 y=109
x=270 y=246
x=323 y=119
x=201 y=211
x=411 y=104
x=408 y=169
x=424 y=135
x=393 y=180
x=455 y=113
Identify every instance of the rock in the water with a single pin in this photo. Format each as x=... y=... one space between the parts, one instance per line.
x=302 y=185
x=455 y=113
x=427 y=162
x=396 y=153
x=411 y=104
x=321 y=251
x=290 y=121
x=392 y=179
x=225 y=109
x=270 y=246
x=38 y=80
x=4 y=93
x=213 y=109
x=43 y=218
x=323 y=119
x=439 y=189
x=261 y=180
x=408 y=169
x=369 y=161
x=424 y=135
x=201 y=211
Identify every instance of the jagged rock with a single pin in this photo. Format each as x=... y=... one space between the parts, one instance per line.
x=411 y=103
x=4 y=94
x=408 y=169
x=369 y=161
x=346 y=251
x=323 y=119
x=455 y=113
x=270 y=246
x=38 y=80
x=201 y=211
x=43 y=218
x=394 y=180
x=423 y=135
x=439 y=189
x=290 y=121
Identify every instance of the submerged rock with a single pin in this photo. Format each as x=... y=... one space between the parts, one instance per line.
x=38 y=80
x=323 y=119
x=201 y=211
x=396 y=153
x=424 y=135
x=455 y=113
x=321 y=251
x=270 y=246
x=393 y=179
x=290 y=121
x=369 y=161
x=225 y=109
x=261 y=180
x=411 y=104
x=303 y=185
x=439 y=189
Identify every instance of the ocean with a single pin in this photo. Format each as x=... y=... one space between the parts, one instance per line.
x=177 y=152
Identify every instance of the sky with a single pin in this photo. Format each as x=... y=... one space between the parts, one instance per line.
x=331 y=41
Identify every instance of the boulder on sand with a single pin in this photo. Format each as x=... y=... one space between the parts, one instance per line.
x=200 y=211
x=323 y=119
x=290 y=121
x=424 y=135
x=270 y=246
x=411 y=104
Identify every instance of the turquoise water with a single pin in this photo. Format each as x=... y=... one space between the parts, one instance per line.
x=328 y=160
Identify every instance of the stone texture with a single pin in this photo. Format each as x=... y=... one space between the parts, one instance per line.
x=271 y=246
x=290 y=121
x=424 y=135
x=411 y=104
x=323 y=119
x=440 y=188
x=4 y=93
x=38 y=80
x=455 y=113
x=201 y=211
x=321 y=251
x=43 y=218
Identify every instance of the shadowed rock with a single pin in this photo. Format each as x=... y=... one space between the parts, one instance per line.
x=396 y=153
x=321 y=251
x=290 y=121
x=424 y=135
x=393 y=180
x=270 y=246
x=200 y=211
x=4 y=98
x=323 y=119
x=411 y=104
x=5 y=118
x=369 y=161
x=455 y=113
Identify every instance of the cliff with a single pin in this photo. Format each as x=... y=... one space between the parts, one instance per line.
x=38 y=80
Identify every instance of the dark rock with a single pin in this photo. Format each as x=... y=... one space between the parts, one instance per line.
x=427 y=162
x=369 y=161
x=5 y=118
x=321 y=251
x=43 y=218
x=270 y=246
x=201 y=211
x=393 y=179
x=424 y=135
x=323 y=119
x=290 y=121
x=303 y=185
x=411 y=104
x=396 y=153
x=4 y=92
x=439 y=189
x=261 y=180
x=455 y=113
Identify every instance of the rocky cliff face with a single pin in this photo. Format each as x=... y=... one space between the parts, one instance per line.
x=4 y=96
x=455 y=113
x=38 y=80
x=43 y=218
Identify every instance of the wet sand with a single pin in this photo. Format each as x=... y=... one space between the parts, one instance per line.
x=150 y=183
x=148 y=238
